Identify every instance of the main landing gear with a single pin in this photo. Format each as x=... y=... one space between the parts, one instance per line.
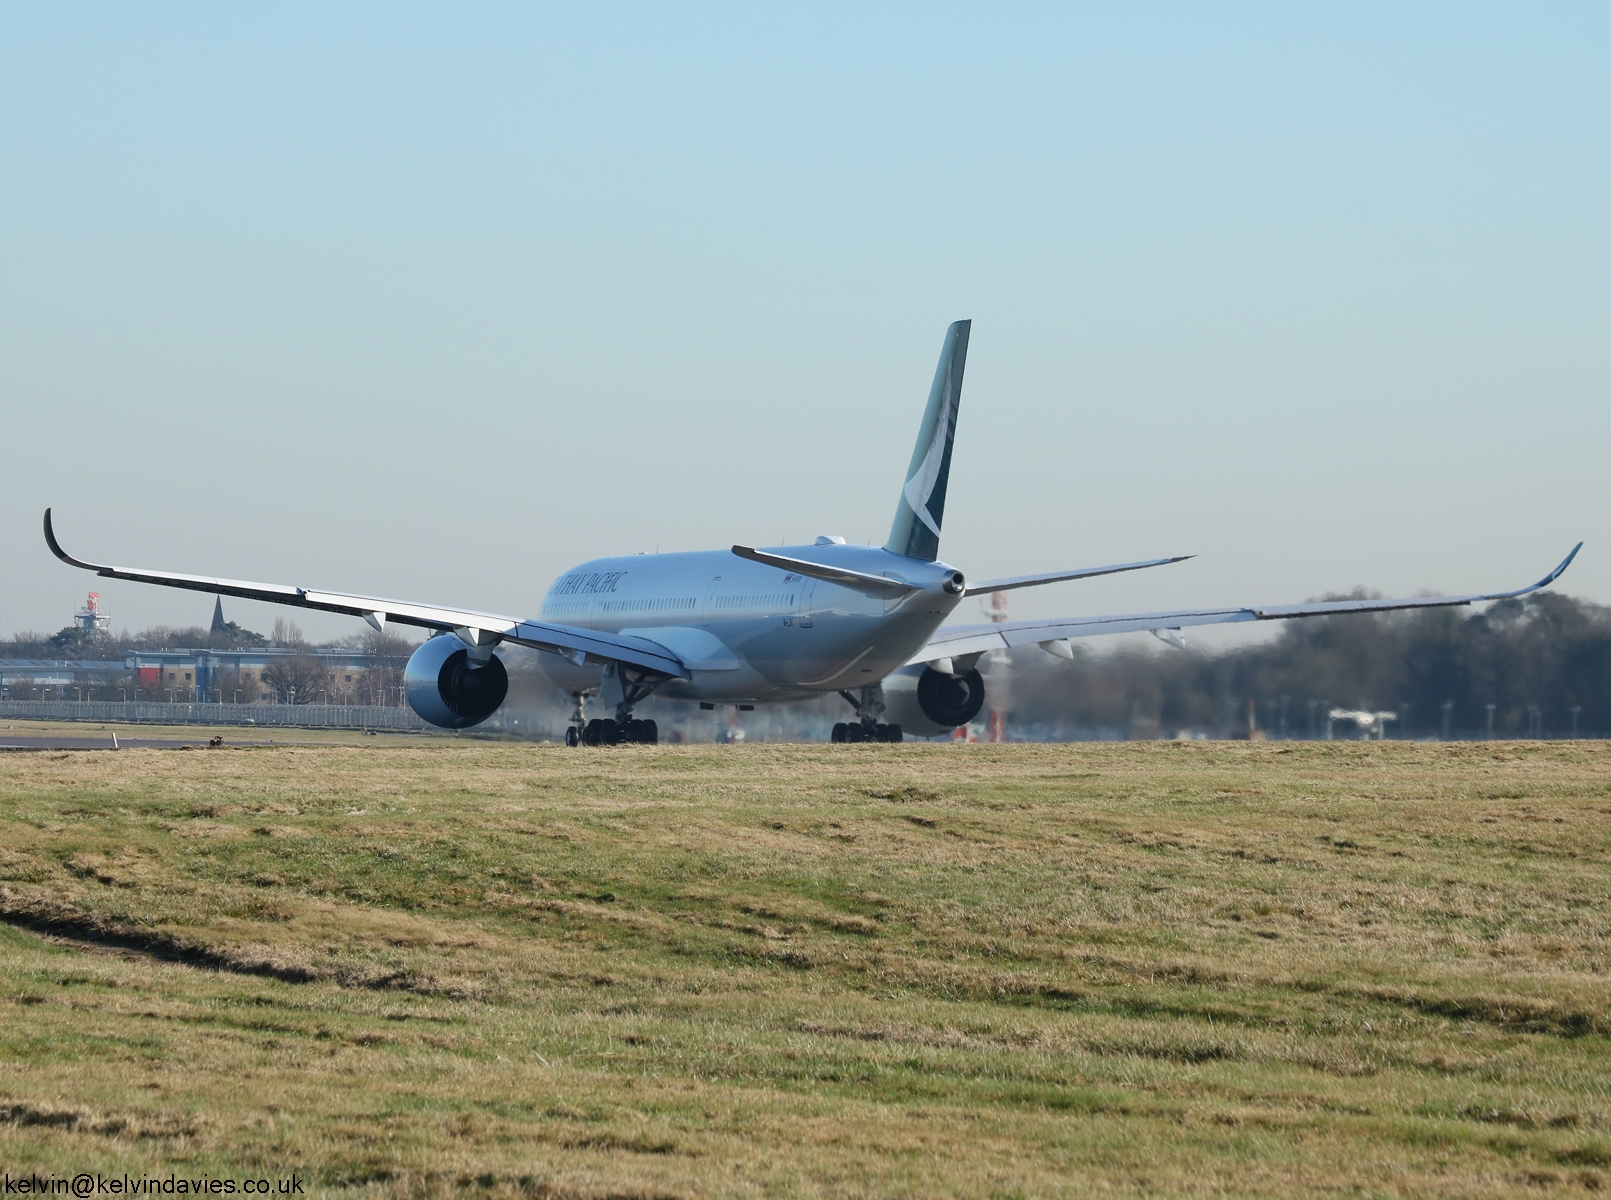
x=626 y=686
x=601 y=731
x=869 y=706
x=854 y=731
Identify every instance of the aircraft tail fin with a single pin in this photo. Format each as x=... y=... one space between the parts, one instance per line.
x=916 y=531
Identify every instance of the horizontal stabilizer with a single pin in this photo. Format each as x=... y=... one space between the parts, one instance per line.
x=1023 y=581
x=861 y=581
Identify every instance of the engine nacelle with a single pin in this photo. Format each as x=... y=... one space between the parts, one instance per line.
x=444 y=689
x=924 y=702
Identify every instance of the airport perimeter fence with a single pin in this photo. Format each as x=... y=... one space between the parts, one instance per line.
x=143 y=712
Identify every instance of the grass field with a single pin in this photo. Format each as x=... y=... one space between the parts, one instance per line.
x=496 y=969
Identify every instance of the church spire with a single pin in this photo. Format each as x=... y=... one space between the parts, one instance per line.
x=218 y=616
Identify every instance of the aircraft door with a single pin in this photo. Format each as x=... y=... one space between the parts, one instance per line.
x=806 y=594
x=709 y=612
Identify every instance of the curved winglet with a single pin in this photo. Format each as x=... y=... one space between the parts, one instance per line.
x=56 y=549
x=1553 y=575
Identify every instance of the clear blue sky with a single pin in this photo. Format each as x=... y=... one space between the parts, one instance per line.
x=433 y=301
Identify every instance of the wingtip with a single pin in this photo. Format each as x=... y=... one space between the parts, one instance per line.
x=56 y=548
x=50 y=539
x=1565 y=562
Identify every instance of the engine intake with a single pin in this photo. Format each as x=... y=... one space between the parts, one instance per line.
x=444 y=689
x=925 y=702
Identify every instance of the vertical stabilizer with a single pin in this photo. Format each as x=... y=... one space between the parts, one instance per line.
x=916 y=532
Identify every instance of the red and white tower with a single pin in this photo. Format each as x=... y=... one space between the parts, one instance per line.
x=999 y=661
x=90 y=618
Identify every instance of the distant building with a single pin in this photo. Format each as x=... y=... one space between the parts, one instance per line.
x=197 y=675
x=61 y=675
x=212 y=673
x=224 y=676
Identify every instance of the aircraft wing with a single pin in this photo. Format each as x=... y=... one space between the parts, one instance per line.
x=568 y=640
x=958 y=641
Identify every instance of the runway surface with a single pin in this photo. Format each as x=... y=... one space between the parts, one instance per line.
x=104 y=742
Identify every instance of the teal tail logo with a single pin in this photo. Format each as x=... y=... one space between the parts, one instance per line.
x=916 y=532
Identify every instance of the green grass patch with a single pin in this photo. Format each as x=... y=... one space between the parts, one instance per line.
x=423 y=968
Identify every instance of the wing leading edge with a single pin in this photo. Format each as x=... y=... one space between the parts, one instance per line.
x=961 y=640
x=468 y=624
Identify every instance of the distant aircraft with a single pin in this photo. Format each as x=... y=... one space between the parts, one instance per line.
x=1368 y=722
x=761 y=626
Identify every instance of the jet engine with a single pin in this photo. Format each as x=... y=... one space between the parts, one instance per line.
x=445 y=689
x=925 y=702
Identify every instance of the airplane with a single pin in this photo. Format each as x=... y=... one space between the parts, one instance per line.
x=746 y=625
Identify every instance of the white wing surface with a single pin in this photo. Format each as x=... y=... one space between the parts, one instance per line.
x=958 y=641
x=472 y=626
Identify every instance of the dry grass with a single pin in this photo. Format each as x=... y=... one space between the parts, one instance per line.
x=922 y=970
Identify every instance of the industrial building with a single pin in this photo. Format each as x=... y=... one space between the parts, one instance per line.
x=235 y=676
x=218 y=676
x=191 y=675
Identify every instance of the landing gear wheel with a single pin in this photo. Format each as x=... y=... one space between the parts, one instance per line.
x=838 y=734
x=855 y=733
x=573 y=736
x=648 y=733
x=890 y=733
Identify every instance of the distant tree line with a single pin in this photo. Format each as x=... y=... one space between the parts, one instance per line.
x=102 y=645
x=1535 y=660
x=298 y=678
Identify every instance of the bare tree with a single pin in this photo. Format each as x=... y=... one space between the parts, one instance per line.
x=287 y=633
x=385 y=656
x=298 y=678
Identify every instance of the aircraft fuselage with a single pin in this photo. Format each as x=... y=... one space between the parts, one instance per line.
x=750 y=632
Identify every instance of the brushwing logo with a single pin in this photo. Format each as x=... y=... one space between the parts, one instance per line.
x=920 y=486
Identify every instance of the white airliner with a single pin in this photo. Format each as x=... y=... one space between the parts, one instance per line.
x=752 y=626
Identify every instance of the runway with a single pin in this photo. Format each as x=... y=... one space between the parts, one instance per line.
x=105 y=742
